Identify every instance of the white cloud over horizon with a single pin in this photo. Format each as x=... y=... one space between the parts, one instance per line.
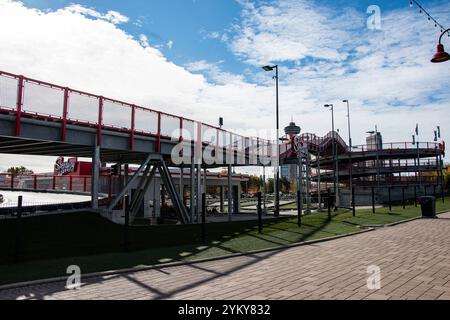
x=386 y=74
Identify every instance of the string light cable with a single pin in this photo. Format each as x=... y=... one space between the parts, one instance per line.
x=422 y=10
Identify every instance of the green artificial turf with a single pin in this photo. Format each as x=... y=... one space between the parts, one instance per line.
x=51 y=243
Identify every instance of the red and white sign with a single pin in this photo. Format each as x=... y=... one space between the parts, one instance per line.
x=63 y=168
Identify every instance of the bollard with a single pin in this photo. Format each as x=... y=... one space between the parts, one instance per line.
x=259 y=212
x=299 y=208
x=390 y=200
x=204 y=217
x=353 y=201
x=373 y=199
x=127 y=223
x=19 y=229
x=329 y=204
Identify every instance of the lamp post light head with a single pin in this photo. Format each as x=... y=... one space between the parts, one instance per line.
x=344 y=101
x=328 y=106
x=440 y=55
x=269 y=68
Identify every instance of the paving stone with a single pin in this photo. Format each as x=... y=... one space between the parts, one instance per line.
x=414 y=259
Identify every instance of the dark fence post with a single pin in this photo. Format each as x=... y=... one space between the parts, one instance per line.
x=204 y=217
x=373 y=199
x=390 y=198
x=443 y=193
x=329 y=204
x=259 y=212
x=126 y=224
x=425 y=190
x=299 y=208
x=19 y=229
x=353 y=201
x=403 y=198
x=415 y=196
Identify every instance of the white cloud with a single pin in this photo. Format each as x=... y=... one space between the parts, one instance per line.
x=170 y=44
x=215 y=72
x=290 y=31
x=111 y=16
x=144 y=40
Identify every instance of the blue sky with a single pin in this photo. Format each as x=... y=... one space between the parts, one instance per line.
x=202 y=59
x=195 y=19
x=191 y=24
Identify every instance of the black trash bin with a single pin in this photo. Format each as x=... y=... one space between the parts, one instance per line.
x=428 y=205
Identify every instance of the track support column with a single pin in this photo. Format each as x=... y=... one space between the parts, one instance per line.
x=95 y=177
x=192 y=193
x=230 y=193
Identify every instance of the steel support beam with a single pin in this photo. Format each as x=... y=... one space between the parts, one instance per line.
x=140 y=193
x=131 y=181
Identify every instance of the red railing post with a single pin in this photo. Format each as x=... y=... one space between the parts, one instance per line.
x=133 y=114
x=158 y=138
x=64 y=115
x=54 y=183
x=70 y=183
x=35 y=182
x=20 y=86
x=12 y=181
x=84 y=184
x=100 y=120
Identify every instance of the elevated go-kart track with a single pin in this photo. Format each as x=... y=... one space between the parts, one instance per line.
x=40 y=118
x=45 y=119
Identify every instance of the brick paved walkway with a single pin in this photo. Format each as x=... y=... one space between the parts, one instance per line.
x=414 y=259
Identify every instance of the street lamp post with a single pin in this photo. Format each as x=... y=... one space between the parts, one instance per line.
x=441 y=55
x=277 y=169
x=350 y=143
x=335 y=159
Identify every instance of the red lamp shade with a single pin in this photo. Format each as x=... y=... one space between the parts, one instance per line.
x=441 y=55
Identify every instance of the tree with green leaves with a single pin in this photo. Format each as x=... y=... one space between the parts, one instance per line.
x=19 y=170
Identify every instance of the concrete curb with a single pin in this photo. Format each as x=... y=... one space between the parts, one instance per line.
x=181 y=263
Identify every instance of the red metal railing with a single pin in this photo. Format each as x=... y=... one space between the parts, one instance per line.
x=23 y=96
x=44 y=182
x=320 y=143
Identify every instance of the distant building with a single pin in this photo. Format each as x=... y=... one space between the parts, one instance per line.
x=375 y=141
